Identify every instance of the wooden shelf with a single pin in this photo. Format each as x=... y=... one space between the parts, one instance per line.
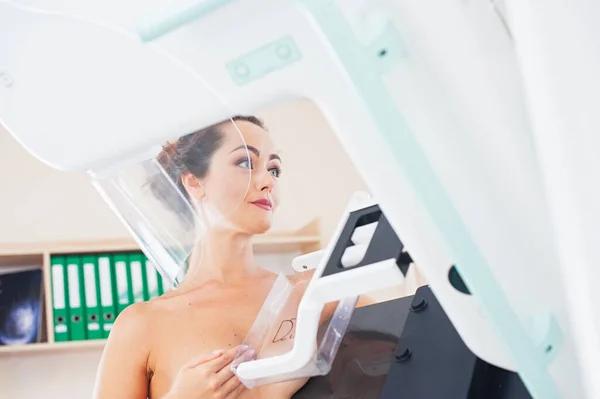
x=21 y=261
x=52 y=346
x=114 y=245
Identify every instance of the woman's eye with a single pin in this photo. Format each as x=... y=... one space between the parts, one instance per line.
x=276 y=172
x=245 y=164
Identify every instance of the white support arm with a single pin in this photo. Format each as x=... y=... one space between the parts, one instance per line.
x=330 y=285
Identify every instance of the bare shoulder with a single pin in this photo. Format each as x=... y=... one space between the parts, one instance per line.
x=131 y=324
x=135 y=329
x=123 y=368
x=139 y=317
x=132 y=317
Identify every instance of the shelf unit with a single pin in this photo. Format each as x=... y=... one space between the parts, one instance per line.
x=17 y=256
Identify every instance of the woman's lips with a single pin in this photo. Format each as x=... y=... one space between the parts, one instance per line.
x=263 y=204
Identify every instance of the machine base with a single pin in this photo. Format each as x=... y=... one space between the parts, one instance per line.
x=432 y=361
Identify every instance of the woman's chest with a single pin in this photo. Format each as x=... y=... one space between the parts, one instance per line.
x=192 y=331
x=197 y=330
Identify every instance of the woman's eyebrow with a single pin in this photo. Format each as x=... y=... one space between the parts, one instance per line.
x=256 y=151
x=249 y=148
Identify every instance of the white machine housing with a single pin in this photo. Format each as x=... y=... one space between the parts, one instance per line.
x=82 y=96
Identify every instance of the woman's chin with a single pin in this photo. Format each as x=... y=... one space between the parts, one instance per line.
x=260 y=226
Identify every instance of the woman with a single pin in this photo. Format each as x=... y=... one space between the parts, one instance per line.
x=180 y=346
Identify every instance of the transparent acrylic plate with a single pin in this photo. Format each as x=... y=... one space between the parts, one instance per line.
x=273 y=334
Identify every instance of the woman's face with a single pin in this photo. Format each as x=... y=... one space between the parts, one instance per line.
x=241 y=183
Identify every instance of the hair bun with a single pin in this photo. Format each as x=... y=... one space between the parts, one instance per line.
x=167 y=155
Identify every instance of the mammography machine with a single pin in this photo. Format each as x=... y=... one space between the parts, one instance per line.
x=474 y=124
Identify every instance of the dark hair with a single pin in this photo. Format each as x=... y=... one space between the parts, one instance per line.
x=192 y=153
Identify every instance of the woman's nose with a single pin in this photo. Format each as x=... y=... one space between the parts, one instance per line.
x=264 y=179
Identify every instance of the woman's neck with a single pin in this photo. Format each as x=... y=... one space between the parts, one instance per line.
x=223 y=257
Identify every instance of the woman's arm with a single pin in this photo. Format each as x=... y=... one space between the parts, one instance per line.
x=122 y=372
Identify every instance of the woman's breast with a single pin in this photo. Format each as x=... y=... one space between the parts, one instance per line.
x=192 y=331
x=195 y=327
x=179 y=349
x=185 y=339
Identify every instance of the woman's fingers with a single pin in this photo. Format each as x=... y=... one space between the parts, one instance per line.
x=246 y=355
x=230 y=384
x=214 y=360
x=233 y=388
x=227 y=375
x=203 y=358
x=215 y=365
x=223 y=375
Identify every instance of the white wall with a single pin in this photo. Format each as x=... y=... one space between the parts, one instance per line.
x=51 y=375
x=41 y=204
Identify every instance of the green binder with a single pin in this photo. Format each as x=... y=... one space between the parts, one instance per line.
x=123 y=291
x=138 y=285
x=60 y=312
x=107 y=301
x=92 y=297
x=76 y=294
x=151 y=278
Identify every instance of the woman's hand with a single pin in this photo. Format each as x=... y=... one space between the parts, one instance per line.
x=208 y=377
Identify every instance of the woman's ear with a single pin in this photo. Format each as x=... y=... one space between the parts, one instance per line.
x=193 y=186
